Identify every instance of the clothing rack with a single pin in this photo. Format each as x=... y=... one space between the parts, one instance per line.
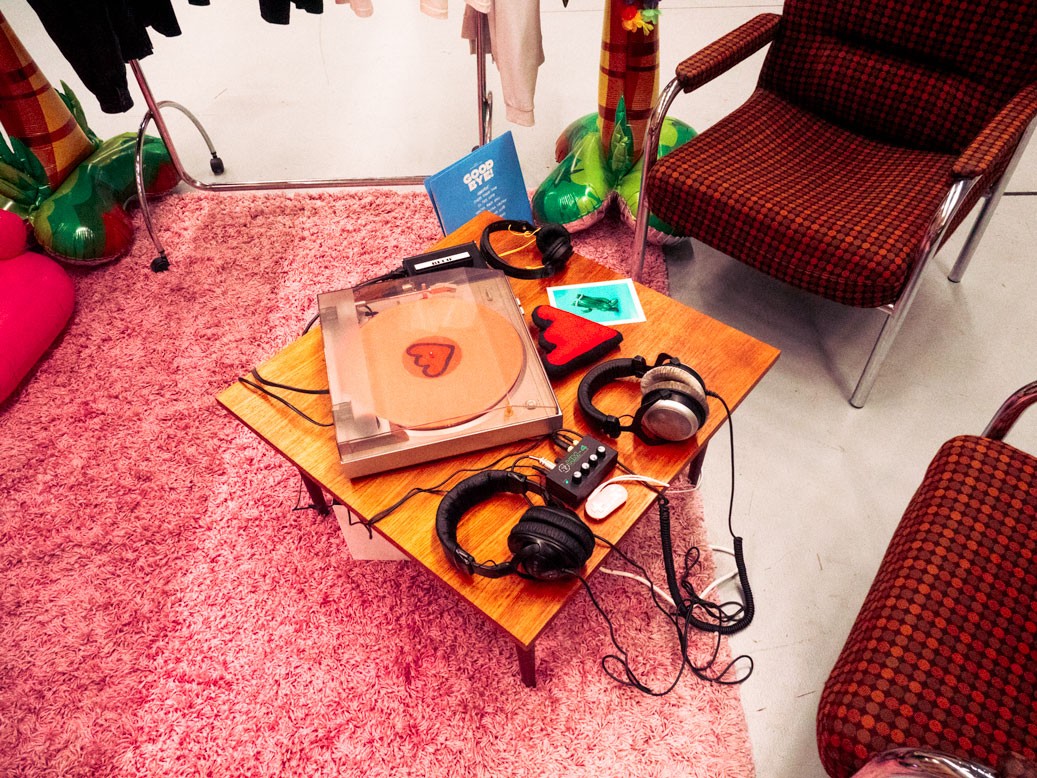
x=154 y=114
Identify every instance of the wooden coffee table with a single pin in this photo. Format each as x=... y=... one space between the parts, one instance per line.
x=730 y=362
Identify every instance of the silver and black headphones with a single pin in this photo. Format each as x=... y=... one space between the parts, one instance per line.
x=548 y=543
x=673 y=399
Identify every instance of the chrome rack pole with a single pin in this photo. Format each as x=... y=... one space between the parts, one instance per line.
x=154 y=114
x=485 y=99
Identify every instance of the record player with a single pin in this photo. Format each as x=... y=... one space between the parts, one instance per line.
x=431 y=366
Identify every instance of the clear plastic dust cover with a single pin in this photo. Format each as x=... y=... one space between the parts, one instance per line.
x=431 y=366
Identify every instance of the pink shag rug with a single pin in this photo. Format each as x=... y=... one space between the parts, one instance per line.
x=164 y=609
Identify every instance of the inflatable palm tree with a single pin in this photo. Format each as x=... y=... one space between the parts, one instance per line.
x=55 y=173
x=599 y=155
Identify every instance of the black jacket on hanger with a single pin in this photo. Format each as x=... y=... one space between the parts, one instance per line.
x=98 y=37
x=277 y=11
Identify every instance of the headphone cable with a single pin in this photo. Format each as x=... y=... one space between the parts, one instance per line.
x=724 y=623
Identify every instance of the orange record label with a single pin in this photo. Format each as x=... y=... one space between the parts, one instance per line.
x=440 y=361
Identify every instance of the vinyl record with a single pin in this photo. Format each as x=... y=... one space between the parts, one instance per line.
x=440 y=361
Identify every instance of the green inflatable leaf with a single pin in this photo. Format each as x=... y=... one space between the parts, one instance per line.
x=580 y=188
x=22 y=177
x=68 y=97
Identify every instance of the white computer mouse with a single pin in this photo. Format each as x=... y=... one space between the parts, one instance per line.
x=604 y=501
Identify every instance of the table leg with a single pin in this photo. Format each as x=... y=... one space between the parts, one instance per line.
x=317 y=498
x=527 y=665
x=695 y=468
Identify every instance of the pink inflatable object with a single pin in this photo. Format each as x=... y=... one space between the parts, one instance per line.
x=36 y=302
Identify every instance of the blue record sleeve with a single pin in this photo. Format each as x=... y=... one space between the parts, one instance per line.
x=488 y=179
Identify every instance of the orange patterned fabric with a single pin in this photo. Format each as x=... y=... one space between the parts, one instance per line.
x=994 y=145
x=32 y=112
x=943 y=654
x=723 y=54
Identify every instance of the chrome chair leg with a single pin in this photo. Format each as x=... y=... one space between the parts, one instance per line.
x=986 y=213
x=898 y=311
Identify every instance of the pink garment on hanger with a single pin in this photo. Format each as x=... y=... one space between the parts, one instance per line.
x=364 y=8
x=517 y=46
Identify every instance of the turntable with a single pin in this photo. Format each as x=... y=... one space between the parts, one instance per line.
x=431 y=366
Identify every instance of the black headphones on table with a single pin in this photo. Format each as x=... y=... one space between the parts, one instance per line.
x=548 y=543
x=553 y=243
x=673 y=399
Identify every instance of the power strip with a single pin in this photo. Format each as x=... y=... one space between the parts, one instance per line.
x=585 y=465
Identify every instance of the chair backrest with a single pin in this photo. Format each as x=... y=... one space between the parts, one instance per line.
x=920 y=73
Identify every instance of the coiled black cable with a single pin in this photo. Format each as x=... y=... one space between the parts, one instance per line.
x=724 y=624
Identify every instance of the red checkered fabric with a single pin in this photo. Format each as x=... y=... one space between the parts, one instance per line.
x=721 y=55
x=770 y=185
x=828 y=177
x=943 y=654
x=924 y=74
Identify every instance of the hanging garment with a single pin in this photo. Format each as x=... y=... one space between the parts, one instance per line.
x=516 y=45
x=434 y=8
x=98 y=37
x=278 y=11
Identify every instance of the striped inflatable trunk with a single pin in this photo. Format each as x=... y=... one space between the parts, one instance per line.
x=32 y=112
x=629 y=70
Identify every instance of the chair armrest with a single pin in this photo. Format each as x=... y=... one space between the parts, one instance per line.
x=723 y=54
x=1010 y=410
x=999 y=138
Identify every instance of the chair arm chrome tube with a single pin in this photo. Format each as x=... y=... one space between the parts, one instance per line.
x=649 y=154
x=926 y=250
x=991 y=199
x=917 y=763
x=1010 y=410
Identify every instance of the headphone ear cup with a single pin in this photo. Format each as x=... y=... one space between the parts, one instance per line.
x=543 y=552
x=565 y=520
x=678 y=378
x=547 y=544
x=675 y=373
x=668 y=414
x=554 y=243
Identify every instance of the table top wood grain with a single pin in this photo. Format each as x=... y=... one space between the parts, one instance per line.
x=730 y=362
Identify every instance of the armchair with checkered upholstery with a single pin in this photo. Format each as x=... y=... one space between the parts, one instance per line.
x=938 y=676
x=875 y=127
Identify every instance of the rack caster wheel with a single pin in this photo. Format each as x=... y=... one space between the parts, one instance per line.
x=216 y=165
x=160 y=263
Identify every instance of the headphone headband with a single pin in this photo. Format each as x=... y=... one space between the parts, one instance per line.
x=466 y=495
x=679 y=404
x=596 y=379
x=552 y=241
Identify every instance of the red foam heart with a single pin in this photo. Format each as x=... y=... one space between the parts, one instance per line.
x=569 y=341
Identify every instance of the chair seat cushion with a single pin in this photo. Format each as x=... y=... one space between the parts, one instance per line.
x=803 y=200
x=943 y=654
